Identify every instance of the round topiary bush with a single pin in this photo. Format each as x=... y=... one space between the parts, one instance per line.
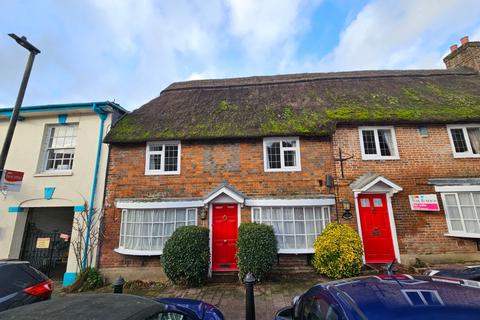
x=256 y=250
x=338 y=252
x=186 y=256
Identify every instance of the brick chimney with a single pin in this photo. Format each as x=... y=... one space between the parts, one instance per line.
x=467 y=55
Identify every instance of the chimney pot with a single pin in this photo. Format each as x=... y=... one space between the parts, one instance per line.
x=464 y=40
x=453 y=48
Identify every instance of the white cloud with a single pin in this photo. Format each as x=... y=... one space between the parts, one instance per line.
x=267 y=28
x=401 y=34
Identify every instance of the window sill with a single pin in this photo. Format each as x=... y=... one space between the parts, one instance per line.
x=53 y=174
x=283 y=170
x=380 y=158
x=462 y=235
x=131 y=252
x=466 y=156
x=168 y=173
x=295 y=251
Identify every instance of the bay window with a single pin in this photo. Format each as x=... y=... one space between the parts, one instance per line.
x=296 y=228
x=145 y=231
x=462 y=211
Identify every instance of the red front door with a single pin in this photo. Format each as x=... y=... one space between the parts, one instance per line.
x=224 y=237
x=376 y=233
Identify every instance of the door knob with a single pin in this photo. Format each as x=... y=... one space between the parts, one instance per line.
x=224 y=241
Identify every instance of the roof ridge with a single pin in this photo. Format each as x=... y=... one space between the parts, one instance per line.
x=310 y=77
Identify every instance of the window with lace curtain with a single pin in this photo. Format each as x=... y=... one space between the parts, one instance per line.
x=465 y=140
x=463 y=213
x=295 y=228
x=145 y=231
x=378 y=143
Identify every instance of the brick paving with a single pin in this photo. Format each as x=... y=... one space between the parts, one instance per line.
x=229 y=297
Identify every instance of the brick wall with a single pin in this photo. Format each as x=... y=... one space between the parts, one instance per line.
x=205 y=165
x=421 y=158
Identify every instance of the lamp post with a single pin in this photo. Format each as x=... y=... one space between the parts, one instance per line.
x=21 y=93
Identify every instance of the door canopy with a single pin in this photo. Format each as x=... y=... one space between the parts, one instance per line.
x=225 y=191
x=371 y=182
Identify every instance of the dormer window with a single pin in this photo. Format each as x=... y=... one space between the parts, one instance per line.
x=162 y=158
x=281 y=154
x=465 y=140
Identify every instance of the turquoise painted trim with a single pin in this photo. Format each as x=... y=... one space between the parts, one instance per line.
x=62 y=118
x=48 y=193
x=15 y=209
x=69 y=278
x=103 y=115
x=7 y=112
x=78 y=208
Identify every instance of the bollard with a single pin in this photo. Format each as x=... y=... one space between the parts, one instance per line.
x=249 y=297
x=118 y=285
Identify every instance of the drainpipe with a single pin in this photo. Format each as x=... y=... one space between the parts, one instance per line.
x=103 y=115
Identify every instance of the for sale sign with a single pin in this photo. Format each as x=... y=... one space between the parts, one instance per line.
x=12 y=180
x=424 y=202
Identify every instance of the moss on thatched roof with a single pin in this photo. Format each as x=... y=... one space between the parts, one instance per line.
x=301 y=104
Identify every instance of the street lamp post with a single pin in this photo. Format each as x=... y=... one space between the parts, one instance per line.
x=21 y=93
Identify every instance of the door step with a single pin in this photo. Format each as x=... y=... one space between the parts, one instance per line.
x=224 y=277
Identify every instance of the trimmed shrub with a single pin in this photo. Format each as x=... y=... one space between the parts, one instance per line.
x=256 y=250
x=186 y=256
x=338 y=252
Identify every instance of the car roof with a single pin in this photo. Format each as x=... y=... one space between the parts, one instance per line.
x=400 y=296
x=88 y=306
x=12 y=261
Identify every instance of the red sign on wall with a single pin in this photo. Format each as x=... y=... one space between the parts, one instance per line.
x=12 y=180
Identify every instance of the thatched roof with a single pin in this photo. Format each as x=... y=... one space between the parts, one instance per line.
x=301 y=104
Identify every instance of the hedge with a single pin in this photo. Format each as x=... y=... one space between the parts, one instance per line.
x=186 y=256
x=338 y=252
x=256 y=250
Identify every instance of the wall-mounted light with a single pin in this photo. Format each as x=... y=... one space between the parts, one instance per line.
x=203 y=212
x=347 y=214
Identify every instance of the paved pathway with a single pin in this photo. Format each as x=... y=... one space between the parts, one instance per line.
x=230 y=297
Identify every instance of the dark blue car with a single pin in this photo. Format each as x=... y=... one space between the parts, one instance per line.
x=398 y=296
x=114 y=307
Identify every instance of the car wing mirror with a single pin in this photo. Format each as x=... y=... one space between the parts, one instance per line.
x=296 y=306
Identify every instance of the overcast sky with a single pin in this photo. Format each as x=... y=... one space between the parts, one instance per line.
x=129 y=50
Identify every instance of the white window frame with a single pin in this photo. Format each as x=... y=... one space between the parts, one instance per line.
x=469 y=153
x=296 y=250
x=42 y=169
x=282 y=168
x=162 y=171
x=122 y=250
x=378 y=155
x=456 y=233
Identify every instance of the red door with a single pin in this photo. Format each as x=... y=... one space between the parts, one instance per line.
x=376 y=233
x=224 y=237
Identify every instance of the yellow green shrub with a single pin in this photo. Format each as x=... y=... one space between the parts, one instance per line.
x=338 y=252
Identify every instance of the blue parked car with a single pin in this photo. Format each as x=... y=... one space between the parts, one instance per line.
x=398 y=296
x=114 y=307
